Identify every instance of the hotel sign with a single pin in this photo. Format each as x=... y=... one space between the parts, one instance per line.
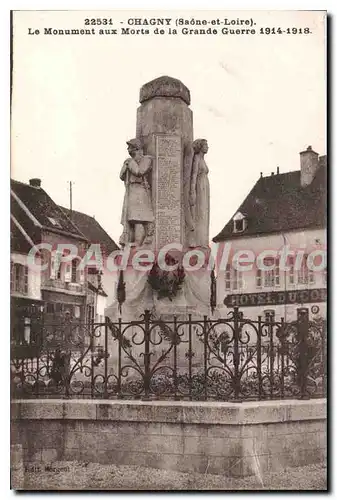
x=276 y=298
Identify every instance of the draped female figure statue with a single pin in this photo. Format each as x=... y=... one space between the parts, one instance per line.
x=198 y=216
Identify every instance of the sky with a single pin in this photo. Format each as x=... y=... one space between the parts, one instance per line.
x=258 y=100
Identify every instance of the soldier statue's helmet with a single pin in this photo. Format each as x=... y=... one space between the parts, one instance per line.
x=135 y=143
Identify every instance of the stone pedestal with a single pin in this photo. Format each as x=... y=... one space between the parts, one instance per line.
x=139 y=297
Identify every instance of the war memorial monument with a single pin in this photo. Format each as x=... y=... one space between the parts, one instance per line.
x=165 y=209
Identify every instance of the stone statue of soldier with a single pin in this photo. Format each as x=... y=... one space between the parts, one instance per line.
x=137 y=213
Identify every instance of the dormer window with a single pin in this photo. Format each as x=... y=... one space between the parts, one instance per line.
x=54 y=221
x=240 y=223
x=238 y=226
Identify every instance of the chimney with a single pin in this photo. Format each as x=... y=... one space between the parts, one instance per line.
x=309 y=166
x=35 y=182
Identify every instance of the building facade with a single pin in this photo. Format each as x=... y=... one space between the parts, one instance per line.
x=25 y=287
x=54 y=288
x=101 y=283
x=276 y=246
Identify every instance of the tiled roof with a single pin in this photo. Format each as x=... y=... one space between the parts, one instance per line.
x=279 y=203
x=92 y=230
x=42 y=208
x=25 y=221
x=19 y=243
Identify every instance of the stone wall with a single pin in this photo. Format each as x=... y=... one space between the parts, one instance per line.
x=234 y=439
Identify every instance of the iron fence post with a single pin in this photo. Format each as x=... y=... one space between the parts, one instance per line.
x=147 y=374
x=190 y=356
x=258 y=360
x=302 y=356
x=38 y=342
x=106 y=395
x=175 y=340
x=271 y=356
x=67 y=357
x=236 y=355
x=92 y=360
x=205 y=356
x=119 y=376
x=324 y=360
x=282 y=352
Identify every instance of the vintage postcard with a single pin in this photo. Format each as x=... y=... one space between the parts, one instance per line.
x=168 y=250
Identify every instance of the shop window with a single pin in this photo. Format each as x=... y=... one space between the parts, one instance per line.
x=50 y=308
x=58 y=307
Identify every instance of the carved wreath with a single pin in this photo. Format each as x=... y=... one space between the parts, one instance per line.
x=166 y=283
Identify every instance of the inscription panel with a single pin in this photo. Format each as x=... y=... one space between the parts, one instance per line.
x=168 y=189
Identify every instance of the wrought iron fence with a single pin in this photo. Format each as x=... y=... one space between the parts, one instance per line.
x=235 y=359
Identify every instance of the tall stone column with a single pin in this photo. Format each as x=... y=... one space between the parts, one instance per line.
x=165 y=128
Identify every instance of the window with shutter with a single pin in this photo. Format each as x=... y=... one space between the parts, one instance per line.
x=67 y=272
x=58 y=265
x=269 y=274
x=277 y=272
x=228 y=277
x=74 y=271
x=12 y=276
x=52 y=265
x=258 y=278
x=305 y=275
x=81 y=275
x=233 y=278
x=25 y=284
x=269 y=277
x=19 y=278
x=311 y=276
x=291 y=270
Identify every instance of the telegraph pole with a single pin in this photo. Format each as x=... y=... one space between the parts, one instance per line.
x=71 y=197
